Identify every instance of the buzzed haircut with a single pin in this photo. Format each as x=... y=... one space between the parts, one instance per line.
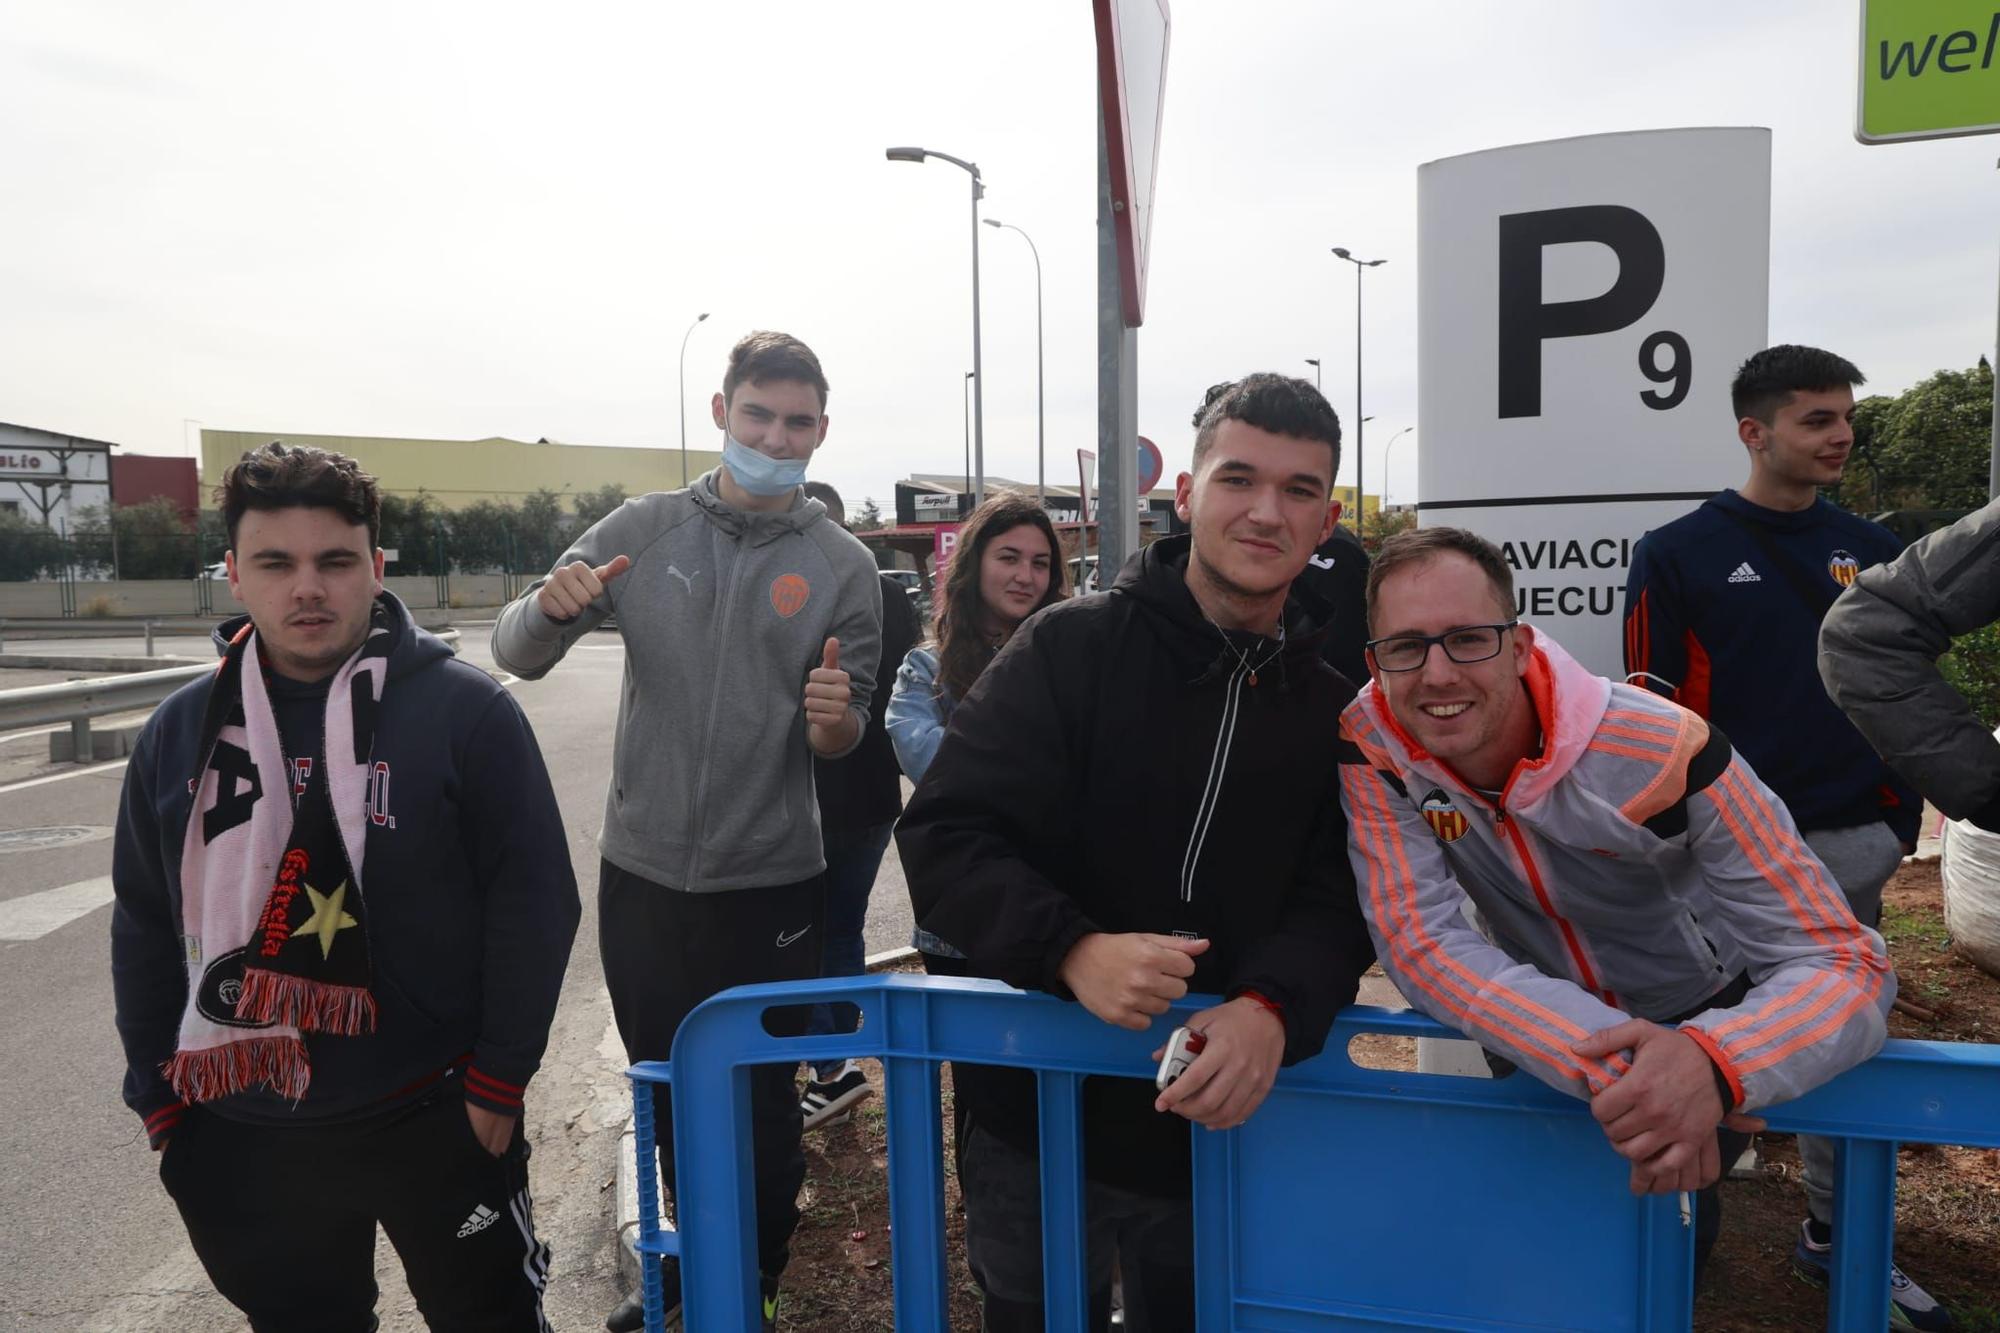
x=829 y=497
x=759 y=358
x=1419 y=545
x=1767 y=381
x=1279 y=404
x=282 y=476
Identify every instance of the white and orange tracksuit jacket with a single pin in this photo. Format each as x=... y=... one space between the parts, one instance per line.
x=1633 y=870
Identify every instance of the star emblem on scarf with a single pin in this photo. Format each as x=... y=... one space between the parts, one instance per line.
x=327 y=919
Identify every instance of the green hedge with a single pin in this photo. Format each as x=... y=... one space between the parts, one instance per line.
x=1973 y=668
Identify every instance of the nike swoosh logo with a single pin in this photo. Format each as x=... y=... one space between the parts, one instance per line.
x=793 y=938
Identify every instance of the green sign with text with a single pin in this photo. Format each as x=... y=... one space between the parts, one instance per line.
x=1929 y=69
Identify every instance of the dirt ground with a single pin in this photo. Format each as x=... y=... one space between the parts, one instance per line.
x=1948 y=1199
x=1948 y=1207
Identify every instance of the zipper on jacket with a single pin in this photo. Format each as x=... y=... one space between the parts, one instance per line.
x=1512 y=829
x=697 y=799
x=1211 y=793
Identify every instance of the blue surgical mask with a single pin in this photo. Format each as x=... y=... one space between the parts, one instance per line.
x=757 y=473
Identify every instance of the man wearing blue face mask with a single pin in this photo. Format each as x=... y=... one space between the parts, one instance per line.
x=752 y=623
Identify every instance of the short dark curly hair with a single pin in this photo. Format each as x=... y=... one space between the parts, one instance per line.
x=1767 y=381
x=1276 y=403
x=764 y=356
x=285 y=476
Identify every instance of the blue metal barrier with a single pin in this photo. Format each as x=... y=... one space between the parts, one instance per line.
x=1355 y=1198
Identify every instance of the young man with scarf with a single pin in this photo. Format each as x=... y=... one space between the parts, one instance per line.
x=344 y=907
x=752 y=624
x=1192 y=695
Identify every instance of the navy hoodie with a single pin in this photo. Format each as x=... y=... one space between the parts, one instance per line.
x=472 y=903
x=1722 y=630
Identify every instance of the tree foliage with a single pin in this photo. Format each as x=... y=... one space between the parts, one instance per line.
x=1927 y=448
x=28 y=550
x=411 y=525
x=149 y=540
x=594 y=505
x=543 y=530
x=1383 y=526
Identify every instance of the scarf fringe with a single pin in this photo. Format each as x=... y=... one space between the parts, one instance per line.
x=309 y=1006
x=241 y=1066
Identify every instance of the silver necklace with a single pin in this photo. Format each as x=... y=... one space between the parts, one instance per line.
x=1244 y=658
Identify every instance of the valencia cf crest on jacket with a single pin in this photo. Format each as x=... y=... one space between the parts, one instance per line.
x=1444 y=817
x=1843 y=567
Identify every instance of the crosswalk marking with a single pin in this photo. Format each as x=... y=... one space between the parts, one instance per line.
x=34 y=915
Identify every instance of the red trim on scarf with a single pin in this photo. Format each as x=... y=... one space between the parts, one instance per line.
x=309 y=1006
x=240 y=1066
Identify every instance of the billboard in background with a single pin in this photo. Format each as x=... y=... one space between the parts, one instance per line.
x=1930 y=69
x=1582 y=307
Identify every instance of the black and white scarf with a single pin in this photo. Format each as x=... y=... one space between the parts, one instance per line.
x=271 y=908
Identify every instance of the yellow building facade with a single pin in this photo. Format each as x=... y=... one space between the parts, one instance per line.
x=457 y=473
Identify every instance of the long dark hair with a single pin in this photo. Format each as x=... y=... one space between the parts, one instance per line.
x=959 y=629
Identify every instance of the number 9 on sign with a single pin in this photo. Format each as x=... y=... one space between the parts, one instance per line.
x=1678 y=372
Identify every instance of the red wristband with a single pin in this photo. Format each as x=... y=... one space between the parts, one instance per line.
x=1271 y=1006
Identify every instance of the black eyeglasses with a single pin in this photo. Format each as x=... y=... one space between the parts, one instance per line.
x=1464 y=645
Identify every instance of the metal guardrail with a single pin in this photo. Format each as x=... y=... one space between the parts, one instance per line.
x=106 y=628
x=78 y=701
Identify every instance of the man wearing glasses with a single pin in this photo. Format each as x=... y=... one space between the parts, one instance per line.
x=1656 y=938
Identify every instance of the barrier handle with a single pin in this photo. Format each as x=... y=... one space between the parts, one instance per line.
x=654 y=1239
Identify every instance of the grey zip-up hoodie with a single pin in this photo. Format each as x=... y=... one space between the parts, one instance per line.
x=723 y=614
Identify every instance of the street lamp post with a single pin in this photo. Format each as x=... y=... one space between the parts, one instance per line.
x=1360 y=488
x=978 y=379
x=1041 y=421
x=1385 y=461
x=968 y=430
x=1313 y=361
x=684 y=393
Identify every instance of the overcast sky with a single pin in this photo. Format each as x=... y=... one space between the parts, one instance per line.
x=498 y=219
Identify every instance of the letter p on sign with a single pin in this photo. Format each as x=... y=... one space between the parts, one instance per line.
x=1582 y=307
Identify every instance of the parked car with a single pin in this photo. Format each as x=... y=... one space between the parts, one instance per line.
x=1083 y=574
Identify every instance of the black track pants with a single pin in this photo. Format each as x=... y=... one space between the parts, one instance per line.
x=283 y=1218
x=664 y=953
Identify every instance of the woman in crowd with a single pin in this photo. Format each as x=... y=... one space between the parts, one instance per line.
x=1008 y=566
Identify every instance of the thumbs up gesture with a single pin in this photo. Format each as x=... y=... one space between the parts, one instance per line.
x=572 y=587
x=828 y=691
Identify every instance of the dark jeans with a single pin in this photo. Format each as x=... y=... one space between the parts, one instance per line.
x=664 y=953
x=1151 y=1238
x=283 y=1217
x=853 y=856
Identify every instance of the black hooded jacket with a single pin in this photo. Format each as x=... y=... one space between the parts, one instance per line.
x=472 y=903
x=1115 y=770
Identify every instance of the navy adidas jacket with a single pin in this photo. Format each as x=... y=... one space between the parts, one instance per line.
x=1721 y=629
x=472 y=903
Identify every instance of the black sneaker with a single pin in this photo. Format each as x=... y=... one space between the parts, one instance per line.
x=768 y=1287
x=630 y=1316
x=828 y=1101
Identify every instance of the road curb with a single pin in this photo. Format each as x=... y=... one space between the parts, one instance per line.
x=625 y=1203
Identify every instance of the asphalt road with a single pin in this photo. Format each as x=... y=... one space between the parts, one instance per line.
x=91 y=1241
